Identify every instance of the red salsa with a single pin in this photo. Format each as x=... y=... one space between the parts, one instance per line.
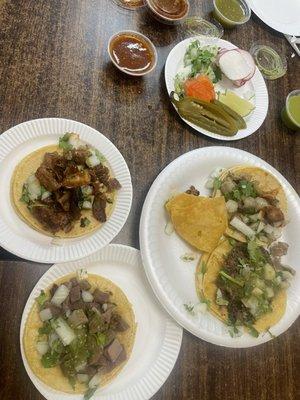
x=132 y=53
x=170 y=8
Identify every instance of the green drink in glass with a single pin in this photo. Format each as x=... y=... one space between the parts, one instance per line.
x=290 y=113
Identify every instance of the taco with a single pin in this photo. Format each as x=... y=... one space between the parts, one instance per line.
x=200 y=221
x=244 y=284
x=79 y=333
x=65 y=190
x=255 y=202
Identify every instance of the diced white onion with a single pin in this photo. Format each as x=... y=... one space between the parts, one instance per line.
x=45 y=195
x=209 y=184
x=231 y=206
x=74 y=141
x=286 y=275
x=268 y=229
x=81 y=366
x=95 y=381
x=60 y=295
x=46 y=314
x=87 y=190
x=200 y=308
x=34 y=187
x=92 y=161
x=260 y=227
x=65 y=333
x=242 y=227
x=169 y=228
x=87 y=205
x=82 y=378
x=87 y=297
x=82 y=274
x=42 y=347
x=216 y=172
x=261 y=203
x=249 y=202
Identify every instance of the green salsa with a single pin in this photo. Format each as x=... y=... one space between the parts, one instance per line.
x=231 y=9
x=294 y=108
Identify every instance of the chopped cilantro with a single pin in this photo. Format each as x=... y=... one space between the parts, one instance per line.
x=189 y=308
x=46 y=328
x=41 y=299
x=64 y=142
x=187 y=257
x=100 y=156
x=90 y=393
x=84 y=222
x=203 y=267
x=25 y=195
x=217 y=183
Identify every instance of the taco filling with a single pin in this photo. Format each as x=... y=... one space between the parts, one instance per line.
x=80 y=332
x=251 y=213
x=248 y=281
x=72 y=185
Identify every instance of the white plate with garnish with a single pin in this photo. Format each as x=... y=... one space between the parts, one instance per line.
x=252 y=88
x=19 y=237
x=158 y=338
x=281 y=15
x=170 y=263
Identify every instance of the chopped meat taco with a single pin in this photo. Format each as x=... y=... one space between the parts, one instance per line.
x=255 y=202
x=243 y=285
x=79 y=334
x=65 y=190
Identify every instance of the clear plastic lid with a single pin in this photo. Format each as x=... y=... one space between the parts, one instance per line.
x=197 y=26
x=271 y=63
x=130 y=4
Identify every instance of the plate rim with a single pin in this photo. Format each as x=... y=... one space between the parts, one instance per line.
x=6 y=147
x=167 y=344
x=160 y=294
x=257 y=75
x=276 y=26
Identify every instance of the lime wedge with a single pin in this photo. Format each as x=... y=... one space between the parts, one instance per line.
x=236 y=103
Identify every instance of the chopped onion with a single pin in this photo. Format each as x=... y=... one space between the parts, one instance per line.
x=286 y=275
x=249 y=202
x=95 y=381
x=268 y=229
x=45 y=195
x=269 y=292
x=52 y=338
x=260 y=227
x=86 y=190
x=92 y=160
x=216 y=172
x=169 y=228
x=46 y=314
x=87 y=297
x=285 y=285
x=231 y=206
x=242 y=227
x=261 y=203
x=42 y=347
x=65 y=333
x=60 y=295
x=81 y=366
x=82 y=378
x=87 y=205
x=209 y=184
x=238 y=65
x=200 y=308
x=82 y=274
x=74 y=141
x=34 y=187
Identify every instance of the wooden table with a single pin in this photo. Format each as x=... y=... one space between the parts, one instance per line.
x=54 y=62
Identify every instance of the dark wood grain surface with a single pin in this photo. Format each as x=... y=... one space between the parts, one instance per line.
x=54 y=63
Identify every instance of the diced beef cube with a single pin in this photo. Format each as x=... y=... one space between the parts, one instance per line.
x=55 y=311
x=80 y=304
x=66 y=304
x=110 y=336
x=113 y=351
x=279 y=249
x=74 y=281
x=118 y=323
x=93 y=304
x=75 y=294
x=89 y=370
x=80 y=155
x=47 y=179
x=52 y=219
x=77 y=318
x=101 y=297
x=63 y=198
x=101 y=173
x=122 y=357
x=106 y=317
x=84 y=285
x=53 y=289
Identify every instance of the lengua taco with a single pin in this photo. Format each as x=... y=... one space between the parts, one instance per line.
x=244 y=284
x=79 y=333
x=255 y=202
x=65 y=190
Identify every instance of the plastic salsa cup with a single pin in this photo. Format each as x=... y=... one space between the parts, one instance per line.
x=225 y=20
x=290 y=113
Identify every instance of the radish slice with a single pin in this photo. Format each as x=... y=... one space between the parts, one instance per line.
x=238 y=65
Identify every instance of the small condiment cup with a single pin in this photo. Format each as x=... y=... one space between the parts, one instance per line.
x=142 y=37
x=286 y=116
x=226 y=22
x=163 y=18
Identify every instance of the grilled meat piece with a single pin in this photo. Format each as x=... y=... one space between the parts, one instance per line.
x=100 y=297
x=279 y=249
x=80 y=155
x=99 y=206
x=47 y=178
x=75 y=294
x=51 y=218
x=100 y=173
x=81 y=178
x=113 y=350
x=113 y=184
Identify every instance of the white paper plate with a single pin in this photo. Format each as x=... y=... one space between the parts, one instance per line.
x=172 y=279
x=15 y=235
x=281 y=15
x=256 y=85
x=158 y=338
